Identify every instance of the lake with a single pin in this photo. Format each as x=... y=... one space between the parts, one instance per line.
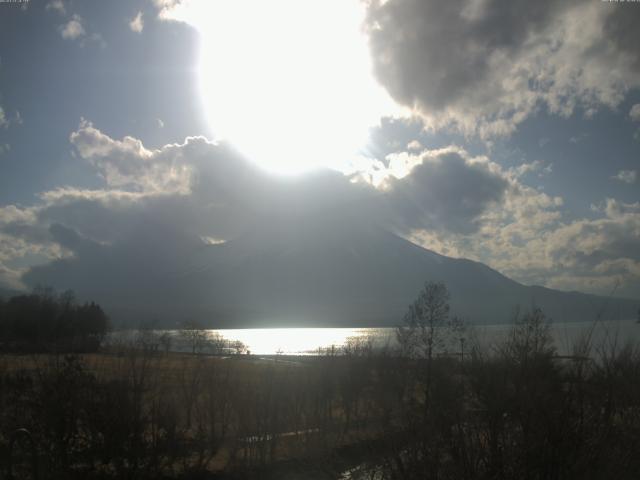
x=309 y=341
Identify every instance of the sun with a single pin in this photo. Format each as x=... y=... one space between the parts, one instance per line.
x=288 y=82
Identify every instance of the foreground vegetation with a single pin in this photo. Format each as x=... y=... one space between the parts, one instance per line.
x=438 y=407
x=45 y=321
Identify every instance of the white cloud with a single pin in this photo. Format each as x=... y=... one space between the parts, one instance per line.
x=165 y=7
x=626 y=176
x=537 y=166
x=591 y=248
x=529 y=242
x=126 y=162
x=73 y=29
x=56 y=5
x=19 y=239
x=11 y=214
x=6 y=122
x=414 y=146
x=137 y=24
x=634 y=113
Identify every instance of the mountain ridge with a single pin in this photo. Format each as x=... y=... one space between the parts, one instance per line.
x=367 y=276
x=305 y=272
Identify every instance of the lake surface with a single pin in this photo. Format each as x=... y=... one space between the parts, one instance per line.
x=308 y=341
x=311 y=341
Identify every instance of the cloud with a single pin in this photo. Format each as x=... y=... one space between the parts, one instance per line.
x=56 y=5
x=137 y=24
x=6 y=122
x=484 y=66
x=443 y=189
x=532 y=244
x=634 y=113
x=537 y=166
x=73 y=29
x=392 y=135
x=626 y=176
x=127 y=163
x=138 y=229
x=10 y=278
x=165 y=6
x=600 y=251
x=22 y=239
x=178 y=195
x=159 y=207
x=414 y=146
x=575 y=139
x=212 y=180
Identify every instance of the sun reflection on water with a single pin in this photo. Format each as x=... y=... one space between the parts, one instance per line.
x=293 y=341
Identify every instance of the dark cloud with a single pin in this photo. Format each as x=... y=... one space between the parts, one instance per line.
x=434 y=53
x=392 y=135
x=621 y=28
x=485 y=65
x=445 y=191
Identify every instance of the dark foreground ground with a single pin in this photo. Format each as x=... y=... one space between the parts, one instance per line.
x=516 y=412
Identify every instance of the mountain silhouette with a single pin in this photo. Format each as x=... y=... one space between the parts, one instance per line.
x=358 y=275
x=307 y=271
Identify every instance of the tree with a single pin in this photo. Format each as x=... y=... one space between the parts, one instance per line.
x=195 y=336
x=427 y=325
x=425 y=331
x=530 y=338
x=43 y=320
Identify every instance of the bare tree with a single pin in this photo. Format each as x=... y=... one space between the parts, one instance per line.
x=426 y=330
x=530 y=337
x=195 y=336
x=427 y=325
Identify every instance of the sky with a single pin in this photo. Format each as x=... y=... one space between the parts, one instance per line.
x=504 y=131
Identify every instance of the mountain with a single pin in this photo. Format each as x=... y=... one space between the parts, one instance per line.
x=317 y=274
x=310 y=271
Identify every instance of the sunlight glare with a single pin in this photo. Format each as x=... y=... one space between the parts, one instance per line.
x=294 y=341
x=288 y=82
